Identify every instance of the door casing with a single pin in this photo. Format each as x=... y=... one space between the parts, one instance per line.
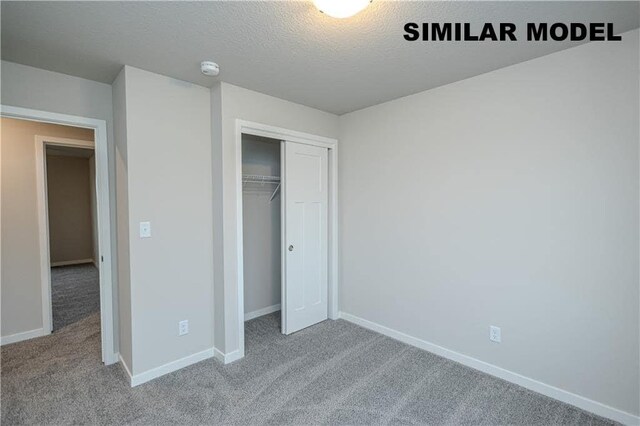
x=108 y=340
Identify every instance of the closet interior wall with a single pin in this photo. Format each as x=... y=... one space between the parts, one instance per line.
x=261 y=227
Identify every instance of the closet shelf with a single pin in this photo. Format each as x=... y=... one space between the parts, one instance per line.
x=263 y=180
x=260 y=179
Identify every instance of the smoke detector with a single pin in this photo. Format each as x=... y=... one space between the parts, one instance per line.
x=209 y=68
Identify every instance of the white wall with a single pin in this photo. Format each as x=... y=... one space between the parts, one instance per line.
x=29 y=87
x=168 y=173
x=508 y=199
x=228 y=103
x=20 y=285
x=261 y=225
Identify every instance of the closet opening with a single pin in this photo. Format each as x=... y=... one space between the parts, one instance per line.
x=287 y=215
x=262 y=240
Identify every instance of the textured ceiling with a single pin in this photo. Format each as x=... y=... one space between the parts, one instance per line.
x=285 y=49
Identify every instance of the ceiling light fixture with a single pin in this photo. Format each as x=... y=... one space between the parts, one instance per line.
x=341 y=8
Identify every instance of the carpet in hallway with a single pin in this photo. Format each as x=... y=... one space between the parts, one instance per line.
x=75 y=293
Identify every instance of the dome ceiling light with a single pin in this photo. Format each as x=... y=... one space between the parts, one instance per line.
x=341 y=8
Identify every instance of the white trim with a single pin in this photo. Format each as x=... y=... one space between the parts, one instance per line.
x=73 y=262
x=227 y=358
x=167 y=368
x=283 y=238
x=125 y=367
x=529 y=383
x=104 y=219
x=281 y=134
x=217 y=354
x=333 y=233
x=260 y=312
x=239 y=243
x=19 y=337
x=43 y=236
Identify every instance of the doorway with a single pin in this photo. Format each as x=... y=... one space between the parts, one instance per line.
x=301 y=191
x=68 y=194
x=262 y=240
x=261 y=217
x=70 y=183
x=285 y=190
x=102 y=213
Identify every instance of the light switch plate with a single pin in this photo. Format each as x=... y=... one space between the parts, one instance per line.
x=145 y=229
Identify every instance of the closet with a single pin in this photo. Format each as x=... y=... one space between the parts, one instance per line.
x=261 y=201
x=285 y=202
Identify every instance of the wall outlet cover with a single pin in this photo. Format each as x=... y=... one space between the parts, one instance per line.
x=495 y=334
x=183 y=327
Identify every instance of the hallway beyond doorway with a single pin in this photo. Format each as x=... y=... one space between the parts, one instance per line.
x=75 y=293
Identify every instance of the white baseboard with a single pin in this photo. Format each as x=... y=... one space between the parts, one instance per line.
x=72 y=262
x=126 y=369
x=227 y=358
x=534 y=385
x=260 y=312
x=112 y=358
x=167 y=368
x=219 y=355
x=19 y=337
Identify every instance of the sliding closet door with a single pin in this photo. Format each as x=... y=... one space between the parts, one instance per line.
x=305 y=210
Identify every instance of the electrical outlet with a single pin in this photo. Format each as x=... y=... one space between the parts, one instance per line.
x=494 y=334
x=183 y=327
x=145 y=229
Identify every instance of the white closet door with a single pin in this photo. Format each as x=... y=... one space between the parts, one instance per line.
x=305 y=236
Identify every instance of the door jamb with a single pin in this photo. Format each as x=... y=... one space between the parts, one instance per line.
x=281 y=134
x=109 y=354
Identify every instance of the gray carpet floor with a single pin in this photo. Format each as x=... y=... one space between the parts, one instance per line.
x=332 y=373
x=75 y=293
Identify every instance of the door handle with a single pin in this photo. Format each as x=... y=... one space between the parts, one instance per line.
x=291 y=248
